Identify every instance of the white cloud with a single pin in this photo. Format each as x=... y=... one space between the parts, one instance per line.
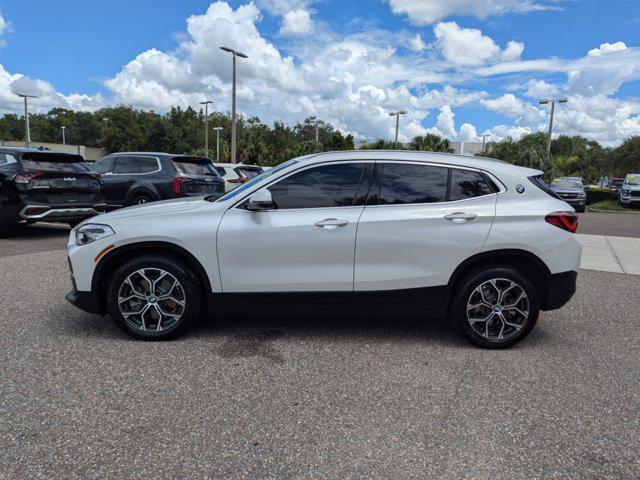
x=512 y=107
x=540 y=89
x=281 y=7
x=468 y=133
x=469 y=47
x=424 y=12
x=5 y=27
x=296 y=22
x=445 y=123
x=607 y=48
x=416 y=43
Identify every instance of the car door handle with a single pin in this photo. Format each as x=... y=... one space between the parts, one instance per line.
x=331 y=223
x=460 y=217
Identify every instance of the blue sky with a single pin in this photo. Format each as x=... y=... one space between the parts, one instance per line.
x=475 y=68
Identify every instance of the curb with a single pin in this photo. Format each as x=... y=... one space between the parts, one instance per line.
x=612 y=211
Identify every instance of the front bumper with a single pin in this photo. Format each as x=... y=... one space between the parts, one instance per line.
x=86 y=301
x=560 y=288
x=630 y=200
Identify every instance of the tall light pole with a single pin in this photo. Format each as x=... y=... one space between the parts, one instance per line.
x=64 y=141
x=217 y=130
x=397 y=115
x=206 y=127
x=484 y=140
x=552 y=101
x=27 y=133
x=233 y=100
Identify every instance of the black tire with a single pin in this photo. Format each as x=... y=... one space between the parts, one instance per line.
x=464 y=295
x=140 y=198
x=190 y=294
x=580 y=209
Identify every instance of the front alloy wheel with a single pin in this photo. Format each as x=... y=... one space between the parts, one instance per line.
x=154 y=297
x=151 y=299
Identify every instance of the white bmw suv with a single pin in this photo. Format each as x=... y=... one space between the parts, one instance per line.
x=481 y=241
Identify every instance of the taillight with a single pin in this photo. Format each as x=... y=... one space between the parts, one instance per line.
x=237 y=180
x=96 y=176
x=177 y=185
x=24 y=178
x=565 y=220
x=100 y=207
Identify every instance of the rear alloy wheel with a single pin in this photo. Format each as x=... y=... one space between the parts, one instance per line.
x=496 y=308
x=140 y=199
x=153 y=298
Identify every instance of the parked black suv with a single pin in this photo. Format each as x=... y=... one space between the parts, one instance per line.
x=133 y=178
x=43 y=185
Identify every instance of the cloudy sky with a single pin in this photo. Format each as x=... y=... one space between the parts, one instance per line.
x=460 y=67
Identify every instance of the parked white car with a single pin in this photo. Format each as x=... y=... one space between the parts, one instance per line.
x=235 y=174
x=482 y=241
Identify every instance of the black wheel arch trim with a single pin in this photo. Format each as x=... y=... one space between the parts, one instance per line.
x=137 y=189
x=498 y=254
x=145 y=248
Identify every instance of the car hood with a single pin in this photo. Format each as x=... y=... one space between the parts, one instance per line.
x=567 y=190
x=164 y=207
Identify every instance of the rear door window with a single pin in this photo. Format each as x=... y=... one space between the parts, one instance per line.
x=468 y=184
x=324 y=186
x=148 y=164
x=127 y=165
x=6 y=158
x=194 y=167
x=407 y=183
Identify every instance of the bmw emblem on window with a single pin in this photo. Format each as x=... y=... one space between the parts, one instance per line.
x=520 y=188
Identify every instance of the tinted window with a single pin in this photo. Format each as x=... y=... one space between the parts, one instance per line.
x=403 y=183
x=127 y=165
x=468 y=184
x=325 y=186
x=248 y=172
x=55 y=166
x=221 y=171
x=103 y=166
x=194 y=168
x=148 y=164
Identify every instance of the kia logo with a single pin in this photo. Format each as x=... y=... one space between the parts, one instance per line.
x=69 y=179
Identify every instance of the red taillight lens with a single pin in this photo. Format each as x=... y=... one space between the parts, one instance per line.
x=565 y=220
x=238 y=180
x=177 y=186
x=35 y=210
x=24 y=178
x=100 y=207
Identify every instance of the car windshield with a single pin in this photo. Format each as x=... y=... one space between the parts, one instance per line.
x=566 y=183
x=252 y=182
x=633 y=179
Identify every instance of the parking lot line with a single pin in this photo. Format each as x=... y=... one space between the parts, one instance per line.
x=611 y=254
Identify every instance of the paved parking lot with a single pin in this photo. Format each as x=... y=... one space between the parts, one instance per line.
x=312 y=397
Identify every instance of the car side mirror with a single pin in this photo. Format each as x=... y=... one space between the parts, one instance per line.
x=260 y=200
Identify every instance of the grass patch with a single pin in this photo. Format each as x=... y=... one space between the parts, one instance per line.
x=611 y=206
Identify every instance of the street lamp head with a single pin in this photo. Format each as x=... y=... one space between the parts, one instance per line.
x=217 y=128
x=544 y=101
x=206 y=102
x=563 y=100
x=235 y=52
x=24 y=95
x=402 y=112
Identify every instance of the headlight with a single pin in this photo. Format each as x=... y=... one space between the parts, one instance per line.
x=91 y=232
x=625 y=193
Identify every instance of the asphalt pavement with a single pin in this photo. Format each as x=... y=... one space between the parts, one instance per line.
x=314 y=397
x=617 y=224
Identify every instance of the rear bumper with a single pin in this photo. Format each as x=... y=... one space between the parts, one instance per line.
x=560 y=288
x=53 y=213
x=86 y=301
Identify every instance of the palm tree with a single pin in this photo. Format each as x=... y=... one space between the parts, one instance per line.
x=431 y=143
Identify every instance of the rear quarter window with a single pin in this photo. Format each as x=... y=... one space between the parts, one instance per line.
x=468 y=184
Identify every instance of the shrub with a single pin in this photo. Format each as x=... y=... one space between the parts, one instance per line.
x=599 y=195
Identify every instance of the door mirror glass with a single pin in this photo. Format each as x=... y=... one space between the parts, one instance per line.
x=260 y=200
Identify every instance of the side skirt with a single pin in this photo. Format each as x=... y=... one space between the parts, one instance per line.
x=427 y=302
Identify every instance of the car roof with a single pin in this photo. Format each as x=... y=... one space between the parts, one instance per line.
x=234 y=165
x=165 y=154
x=446 y=159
